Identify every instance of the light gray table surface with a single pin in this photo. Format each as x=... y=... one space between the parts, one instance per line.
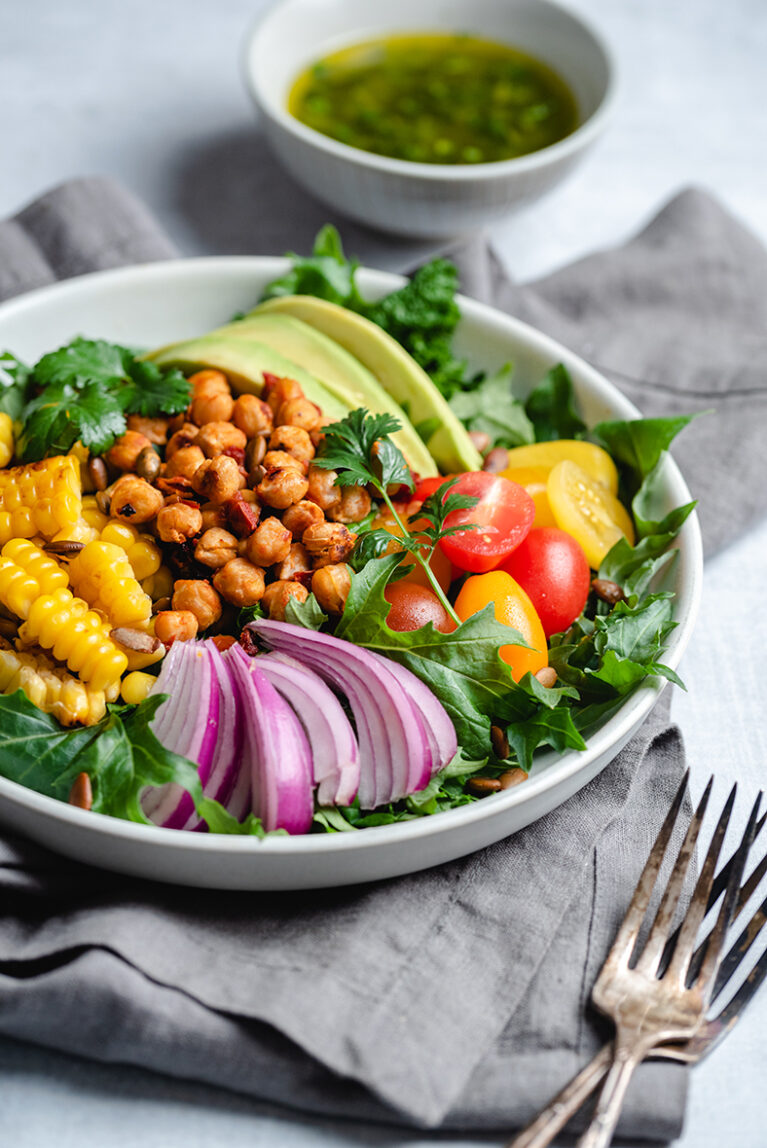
x=150 y=93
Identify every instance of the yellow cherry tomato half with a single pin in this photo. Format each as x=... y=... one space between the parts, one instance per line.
x=513 y=608
x=595 y=461
x=588 y=511
x=534 y=480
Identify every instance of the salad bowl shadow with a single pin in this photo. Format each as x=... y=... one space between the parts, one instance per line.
x=152 y=304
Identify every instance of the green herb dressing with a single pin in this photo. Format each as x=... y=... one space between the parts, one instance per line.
x=448 y=99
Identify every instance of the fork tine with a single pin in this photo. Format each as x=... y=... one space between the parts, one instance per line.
x=747 y=889
x=719 y=886
x=629 y=929
x=734 y=1009
x=698 y=907
x=710 y=966
x=653 y=950
x=737 y=952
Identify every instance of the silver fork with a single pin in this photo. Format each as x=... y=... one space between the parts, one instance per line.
x=551 y=1120
x=653 y=1003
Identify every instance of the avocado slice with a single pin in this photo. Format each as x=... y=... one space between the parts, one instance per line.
x=396 y=371
x=337 y=370
x=244 y=361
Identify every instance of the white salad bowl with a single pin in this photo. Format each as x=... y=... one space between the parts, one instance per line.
x=154 y=304
x=423 y=199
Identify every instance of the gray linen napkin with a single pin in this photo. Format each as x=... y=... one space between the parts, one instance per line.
x=452 y=998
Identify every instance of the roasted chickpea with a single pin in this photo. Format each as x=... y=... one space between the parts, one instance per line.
x=216 y=548
x=216 y=437
x=277 y=459
x=283 y=487
x=218 y=479
x=199 y=598
x=296 y=562
x=278 y=594
x=178 y=522
x=209 y=379
x=299 y=413
x=184 y=436
x=269 y=543
x=213 y=516
x=211 y=407
x=322 y=488
x=175 y=626
x=156 y=430
x=294 y=440
x=184 y=462
x=278 y=390
x=355 y=504
x=252 y=415
x=240 y=582
x=123 y=453
x=134 y=500
x=297 y=518
x=328 y=543
x=331 y=586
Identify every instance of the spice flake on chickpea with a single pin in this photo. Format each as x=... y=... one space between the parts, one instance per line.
x=239 y=585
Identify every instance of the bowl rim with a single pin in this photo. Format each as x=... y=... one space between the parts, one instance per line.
x=631 y=713
x=583 y=135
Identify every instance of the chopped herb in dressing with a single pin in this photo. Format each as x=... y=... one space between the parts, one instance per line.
x=436 y=99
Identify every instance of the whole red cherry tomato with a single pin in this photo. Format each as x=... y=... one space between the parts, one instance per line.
x=552 y=568
x=500 y=520
x=413 y=606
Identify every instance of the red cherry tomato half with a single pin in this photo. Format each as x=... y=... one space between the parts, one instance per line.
x=425 y=487
x=552 y=568
x=501 y=519
x=413 y=606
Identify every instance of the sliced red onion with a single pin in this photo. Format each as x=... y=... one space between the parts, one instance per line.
x=187 y=724
x=275 y=750
x=394 y=747
x=439 y=728
x=335 y=753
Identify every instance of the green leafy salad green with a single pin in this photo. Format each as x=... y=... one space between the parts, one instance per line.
x=83 y=393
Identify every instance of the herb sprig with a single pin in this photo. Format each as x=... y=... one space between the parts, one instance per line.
x=82 y=393
x=359 y=448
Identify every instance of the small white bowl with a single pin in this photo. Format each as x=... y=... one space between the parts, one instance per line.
x=422 y=199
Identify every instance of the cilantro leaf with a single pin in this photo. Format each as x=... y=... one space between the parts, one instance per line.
x=84 y=390
x=491 y=408
x=60 y=416
x=358 y=447
x=438 y=506
x=149 y=390
x=14 y=378
x=81 y=361
x=552 y=409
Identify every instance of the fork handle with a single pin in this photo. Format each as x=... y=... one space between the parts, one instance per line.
x=600 y=1131
x=552 y=1119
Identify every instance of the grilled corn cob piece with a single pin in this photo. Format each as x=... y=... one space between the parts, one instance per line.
x=26 y=573
x=63 y=624
x=41 y=498
x=51 y=688
x=102 y=575
x=7 y=445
